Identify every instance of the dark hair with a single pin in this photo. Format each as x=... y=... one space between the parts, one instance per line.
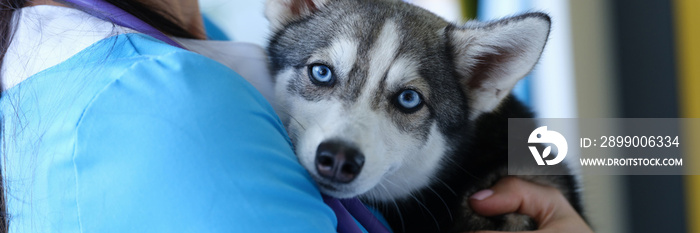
x=158 y=19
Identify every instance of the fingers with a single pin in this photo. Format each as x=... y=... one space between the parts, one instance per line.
x=546 y=205
x=560 y=226
x=506 y=232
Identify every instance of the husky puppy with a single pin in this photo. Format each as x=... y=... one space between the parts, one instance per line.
x=387 y=101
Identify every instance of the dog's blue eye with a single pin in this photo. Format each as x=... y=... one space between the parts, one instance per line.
x=409 y=101
x=321 y=75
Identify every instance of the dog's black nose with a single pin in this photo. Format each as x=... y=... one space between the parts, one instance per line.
x=338 y=161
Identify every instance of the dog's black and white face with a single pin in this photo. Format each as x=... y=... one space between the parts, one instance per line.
x=376 y=93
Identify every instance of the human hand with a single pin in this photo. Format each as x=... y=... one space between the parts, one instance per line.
x=546 y=205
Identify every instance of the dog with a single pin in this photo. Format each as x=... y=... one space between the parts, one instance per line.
x=388 y=102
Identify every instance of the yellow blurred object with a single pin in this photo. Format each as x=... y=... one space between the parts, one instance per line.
x=469 y=9
x=688 y=54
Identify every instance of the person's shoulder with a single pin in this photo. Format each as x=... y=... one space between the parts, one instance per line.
x=148 y=83
x=168 y=72
x=177 y=81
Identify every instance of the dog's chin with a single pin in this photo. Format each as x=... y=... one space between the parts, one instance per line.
x=340 y=191
x=337 y=190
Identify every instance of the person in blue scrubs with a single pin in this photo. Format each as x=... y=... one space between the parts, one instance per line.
x=131 y=134
x=106 y=129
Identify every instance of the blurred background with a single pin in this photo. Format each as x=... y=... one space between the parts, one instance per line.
x=604 y=59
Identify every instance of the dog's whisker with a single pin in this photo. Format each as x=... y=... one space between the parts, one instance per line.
x=447 y=207
x=446 y=186
x=398 y=210
x=460 y=167
x=420 y=203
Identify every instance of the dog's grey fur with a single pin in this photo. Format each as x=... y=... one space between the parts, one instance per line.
x=421 y=166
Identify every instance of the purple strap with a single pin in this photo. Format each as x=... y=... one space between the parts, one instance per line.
x=346 y=209
x=346 y=224
x=364 y=216
x=107 y=11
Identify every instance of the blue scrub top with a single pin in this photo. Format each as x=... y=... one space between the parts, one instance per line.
x=134 y=135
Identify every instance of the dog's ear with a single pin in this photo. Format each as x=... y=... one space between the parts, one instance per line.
x=490 y=58
x=283 y=12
